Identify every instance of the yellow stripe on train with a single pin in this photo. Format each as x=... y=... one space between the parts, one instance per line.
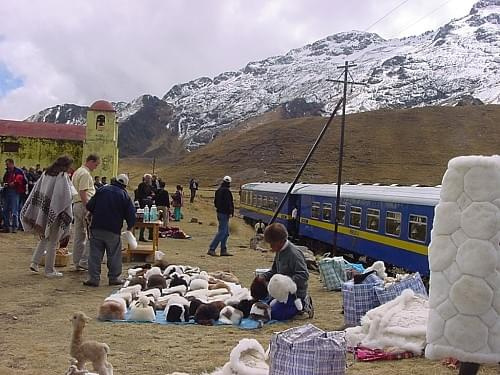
x=374 y=237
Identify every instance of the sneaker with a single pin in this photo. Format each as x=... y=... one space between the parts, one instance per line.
x=91 y=283
x=34 y=267
x=211 y=253
x=53 y=274
x=115 y=282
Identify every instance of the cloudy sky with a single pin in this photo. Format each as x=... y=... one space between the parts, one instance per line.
x=59 y=51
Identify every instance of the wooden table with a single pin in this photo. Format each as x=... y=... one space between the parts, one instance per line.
x=148 y=248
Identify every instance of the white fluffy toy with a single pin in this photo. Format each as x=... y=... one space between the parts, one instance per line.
x=141 y=311
x=280 y=287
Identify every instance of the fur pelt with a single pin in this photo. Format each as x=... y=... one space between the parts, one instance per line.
x=230 y=315
x=157 y=281
x=137 y=280
x=245 y=306
x=207 y=314
x=464 y=259
x=398 y=324
x=258 y=289
x=112 y=309
x=198 y=284
x=246 y=358
x=224 y=276
x=176 y=280
x=260 y=311
x=179 y=289
x=379 y=268
x=177 y=309
x=134 y=290
x=194 y=303
x=152 y=271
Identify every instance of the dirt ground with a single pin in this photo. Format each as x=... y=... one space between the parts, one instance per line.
x=35 y=312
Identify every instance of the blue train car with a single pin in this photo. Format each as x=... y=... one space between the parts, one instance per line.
x=260 y=200
x=389 y=223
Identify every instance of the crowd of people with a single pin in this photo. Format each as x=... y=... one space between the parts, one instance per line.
x=59 y=197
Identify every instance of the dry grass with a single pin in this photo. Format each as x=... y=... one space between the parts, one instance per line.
x=35 y=312
x=405 y=146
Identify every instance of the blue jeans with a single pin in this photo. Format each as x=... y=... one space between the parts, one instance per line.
x=222 y=233
x=11 y=209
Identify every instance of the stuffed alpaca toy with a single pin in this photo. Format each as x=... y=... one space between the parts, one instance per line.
x=175 y=280
x=156 y=281
x=207 y=314
x=230 y=315
x=281 y=287
x=141 y=310
x=177 y=309
x=112 y=309
x=260 y=311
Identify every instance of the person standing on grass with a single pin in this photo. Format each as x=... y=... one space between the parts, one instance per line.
x=163 y=203
x=224 y=205
x=84 y=185
x=177 y=203
x=193 y=187
x=48 y=213
x=109 y=207
x=14 y=186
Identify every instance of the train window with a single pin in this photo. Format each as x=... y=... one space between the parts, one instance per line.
x=259 y=200
x=417 y=228
x=393 y=223
x=315 y=210
x=372 y=219
x=254 y=199
x=327 y=211
x=355 y=218
x=275 y=204
x=264 y=202
x=341 y=219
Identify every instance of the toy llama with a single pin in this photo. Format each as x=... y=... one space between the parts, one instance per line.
x=90 y=350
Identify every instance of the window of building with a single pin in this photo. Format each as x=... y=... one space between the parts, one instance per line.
x=259 y=200
x=393 y=223
x=315 y=210
x=100 y=121
x=341 y=219
x=372 y=219
x=417 y=228
x=327 y=211
x=355 y=217
x=10 y=147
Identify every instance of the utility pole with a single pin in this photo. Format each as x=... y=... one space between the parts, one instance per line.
x=154 y=164
x=346 y=67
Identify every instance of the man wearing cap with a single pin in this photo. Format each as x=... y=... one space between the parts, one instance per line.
x=109 y=207
x=223 y=202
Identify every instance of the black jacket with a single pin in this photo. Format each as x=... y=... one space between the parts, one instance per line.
x=162 y=198
x=223 y=200
x=109 y=207
x=144 y=194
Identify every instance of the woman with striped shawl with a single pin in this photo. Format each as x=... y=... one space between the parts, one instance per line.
x=48 y=213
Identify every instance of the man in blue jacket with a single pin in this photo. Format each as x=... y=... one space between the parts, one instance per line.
x=108 y=207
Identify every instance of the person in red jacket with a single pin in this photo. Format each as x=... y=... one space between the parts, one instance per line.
x=14 y=185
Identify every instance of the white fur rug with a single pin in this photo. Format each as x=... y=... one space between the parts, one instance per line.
x=399 y=324
x=246 y=358
x=464 y=259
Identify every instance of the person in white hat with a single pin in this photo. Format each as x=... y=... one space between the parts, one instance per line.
x=109 y=207
x=224 y=205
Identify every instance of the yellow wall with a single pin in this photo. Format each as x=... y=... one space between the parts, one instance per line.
x=33 y=151
x=103 y=141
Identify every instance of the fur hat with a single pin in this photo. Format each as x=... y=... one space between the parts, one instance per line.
x=227 y=179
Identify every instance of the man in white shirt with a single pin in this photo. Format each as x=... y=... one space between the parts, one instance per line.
x=84 y=185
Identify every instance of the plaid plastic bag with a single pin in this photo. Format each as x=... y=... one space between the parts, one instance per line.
x=413 y=282
x=307 y=350
x=332 y=272
x=359 y=298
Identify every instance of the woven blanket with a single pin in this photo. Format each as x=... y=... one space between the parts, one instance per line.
x=49 y=204
x=399 y=324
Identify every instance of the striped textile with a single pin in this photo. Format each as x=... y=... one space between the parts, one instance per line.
x=307 y=350
x=413 y=282
x=332 y=272
x=359 y=298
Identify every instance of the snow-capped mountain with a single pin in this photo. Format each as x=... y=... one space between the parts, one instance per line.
x=460 y=59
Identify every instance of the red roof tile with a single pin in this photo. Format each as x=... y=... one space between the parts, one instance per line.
x=102 y=105
x=47 y=130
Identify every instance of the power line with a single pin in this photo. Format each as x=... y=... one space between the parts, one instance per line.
x=380 y=19
x=427 y=15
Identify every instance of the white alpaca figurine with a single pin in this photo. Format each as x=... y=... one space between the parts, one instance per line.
x=280 y=287
x=141 y=311
x=230 y=315
x=88 y=351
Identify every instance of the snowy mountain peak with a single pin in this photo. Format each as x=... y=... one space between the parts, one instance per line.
x=459 y=60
